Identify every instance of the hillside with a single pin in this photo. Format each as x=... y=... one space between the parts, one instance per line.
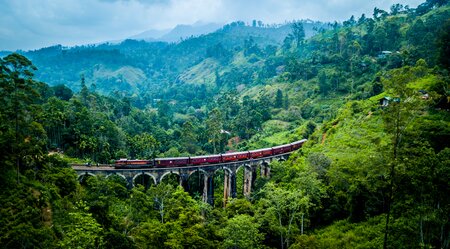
x=161 y=62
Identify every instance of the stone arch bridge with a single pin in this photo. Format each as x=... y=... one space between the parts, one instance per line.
x=230 y=170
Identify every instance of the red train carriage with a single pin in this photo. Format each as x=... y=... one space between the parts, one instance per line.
x=235 y=156
x=171 y=162
x=297 y=145
x=121 y=162
x=208 y=159
x=260 y=153
x=125 y=163
x=281 y=149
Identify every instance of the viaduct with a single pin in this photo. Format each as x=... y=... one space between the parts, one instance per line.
x=208 y=171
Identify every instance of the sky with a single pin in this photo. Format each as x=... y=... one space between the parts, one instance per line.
x=33 y=24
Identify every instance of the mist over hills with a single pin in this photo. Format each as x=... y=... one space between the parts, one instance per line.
x=178 y=33
x=134 y=65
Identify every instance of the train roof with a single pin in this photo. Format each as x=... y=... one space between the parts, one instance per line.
x=171 y=158
x=300 y=142
x=235 y=153
x=259 y=150
x=281 y=146
x=205 y=156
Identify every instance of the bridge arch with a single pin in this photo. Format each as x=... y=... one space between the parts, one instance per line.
x=117 y=174
x=197 y=170
x=170 y=177
x=196 y=180
x=224 y=169
x=80 y=176
x=141 y=174
x=223 y=180
x=244 y=166
x=169 y=173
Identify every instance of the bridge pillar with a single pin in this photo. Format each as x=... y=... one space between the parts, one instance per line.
x=184 y=181
x=208 y=189
x=226 y=187
x=254 y=168
x=205 y=188
x=211 y=190
x=233 y=185
x=130 y=183
x=267 y=171
x=248 y=178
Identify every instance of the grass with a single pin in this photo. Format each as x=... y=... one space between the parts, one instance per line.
x=201 y=73
x=278 y=138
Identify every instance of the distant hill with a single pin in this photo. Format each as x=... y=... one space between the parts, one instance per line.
x=178 y=33
x=186 y=31
x=135 y=65
x=150 y=35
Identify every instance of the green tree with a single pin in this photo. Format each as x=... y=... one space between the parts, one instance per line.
x=286 y=102
x=189 y=137
x=398 y=118
x=186 y=227
x=287 y=42
x=298 y=33
x=62 y=92
x=160 y=195
x=22 y=137
x=279 y=99
x=214 y=126
x=82 y=231
x=150 y=234
x=324 y=85
x=242 y=231
x=84 y=92
x=55 y=118
x=165 y=114
x=143 y=146
x=284 y=208
x=141 y=205
x=443 y=45
x=249 y=119
x=24 y=218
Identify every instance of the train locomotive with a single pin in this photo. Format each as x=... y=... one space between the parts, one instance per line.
x=208 y=159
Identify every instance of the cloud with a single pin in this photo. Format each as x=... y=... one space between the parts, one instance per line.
x=146 y=2
x=31 y=24
x=322 y=10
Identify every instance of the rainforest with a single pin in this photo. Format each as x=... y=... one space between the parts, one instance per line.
x=370 y=94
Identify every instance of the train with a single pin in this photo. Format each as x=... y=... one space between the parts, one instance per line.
x=208 y=159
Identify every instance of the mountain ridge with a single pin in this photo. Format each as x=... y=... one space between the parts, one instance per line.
x=155 y=58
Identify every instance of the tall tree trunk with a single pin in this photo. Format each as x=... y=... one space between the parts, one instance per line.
x=281 y=233
x=392 y=175
x=389 y=203
x=303 y=215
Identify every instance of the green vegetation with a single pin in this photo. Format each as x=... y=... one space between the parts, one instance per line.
x=370 y=176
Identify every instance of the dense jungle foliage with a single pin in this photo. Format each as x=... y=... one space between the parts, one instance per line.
x=371 y=94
